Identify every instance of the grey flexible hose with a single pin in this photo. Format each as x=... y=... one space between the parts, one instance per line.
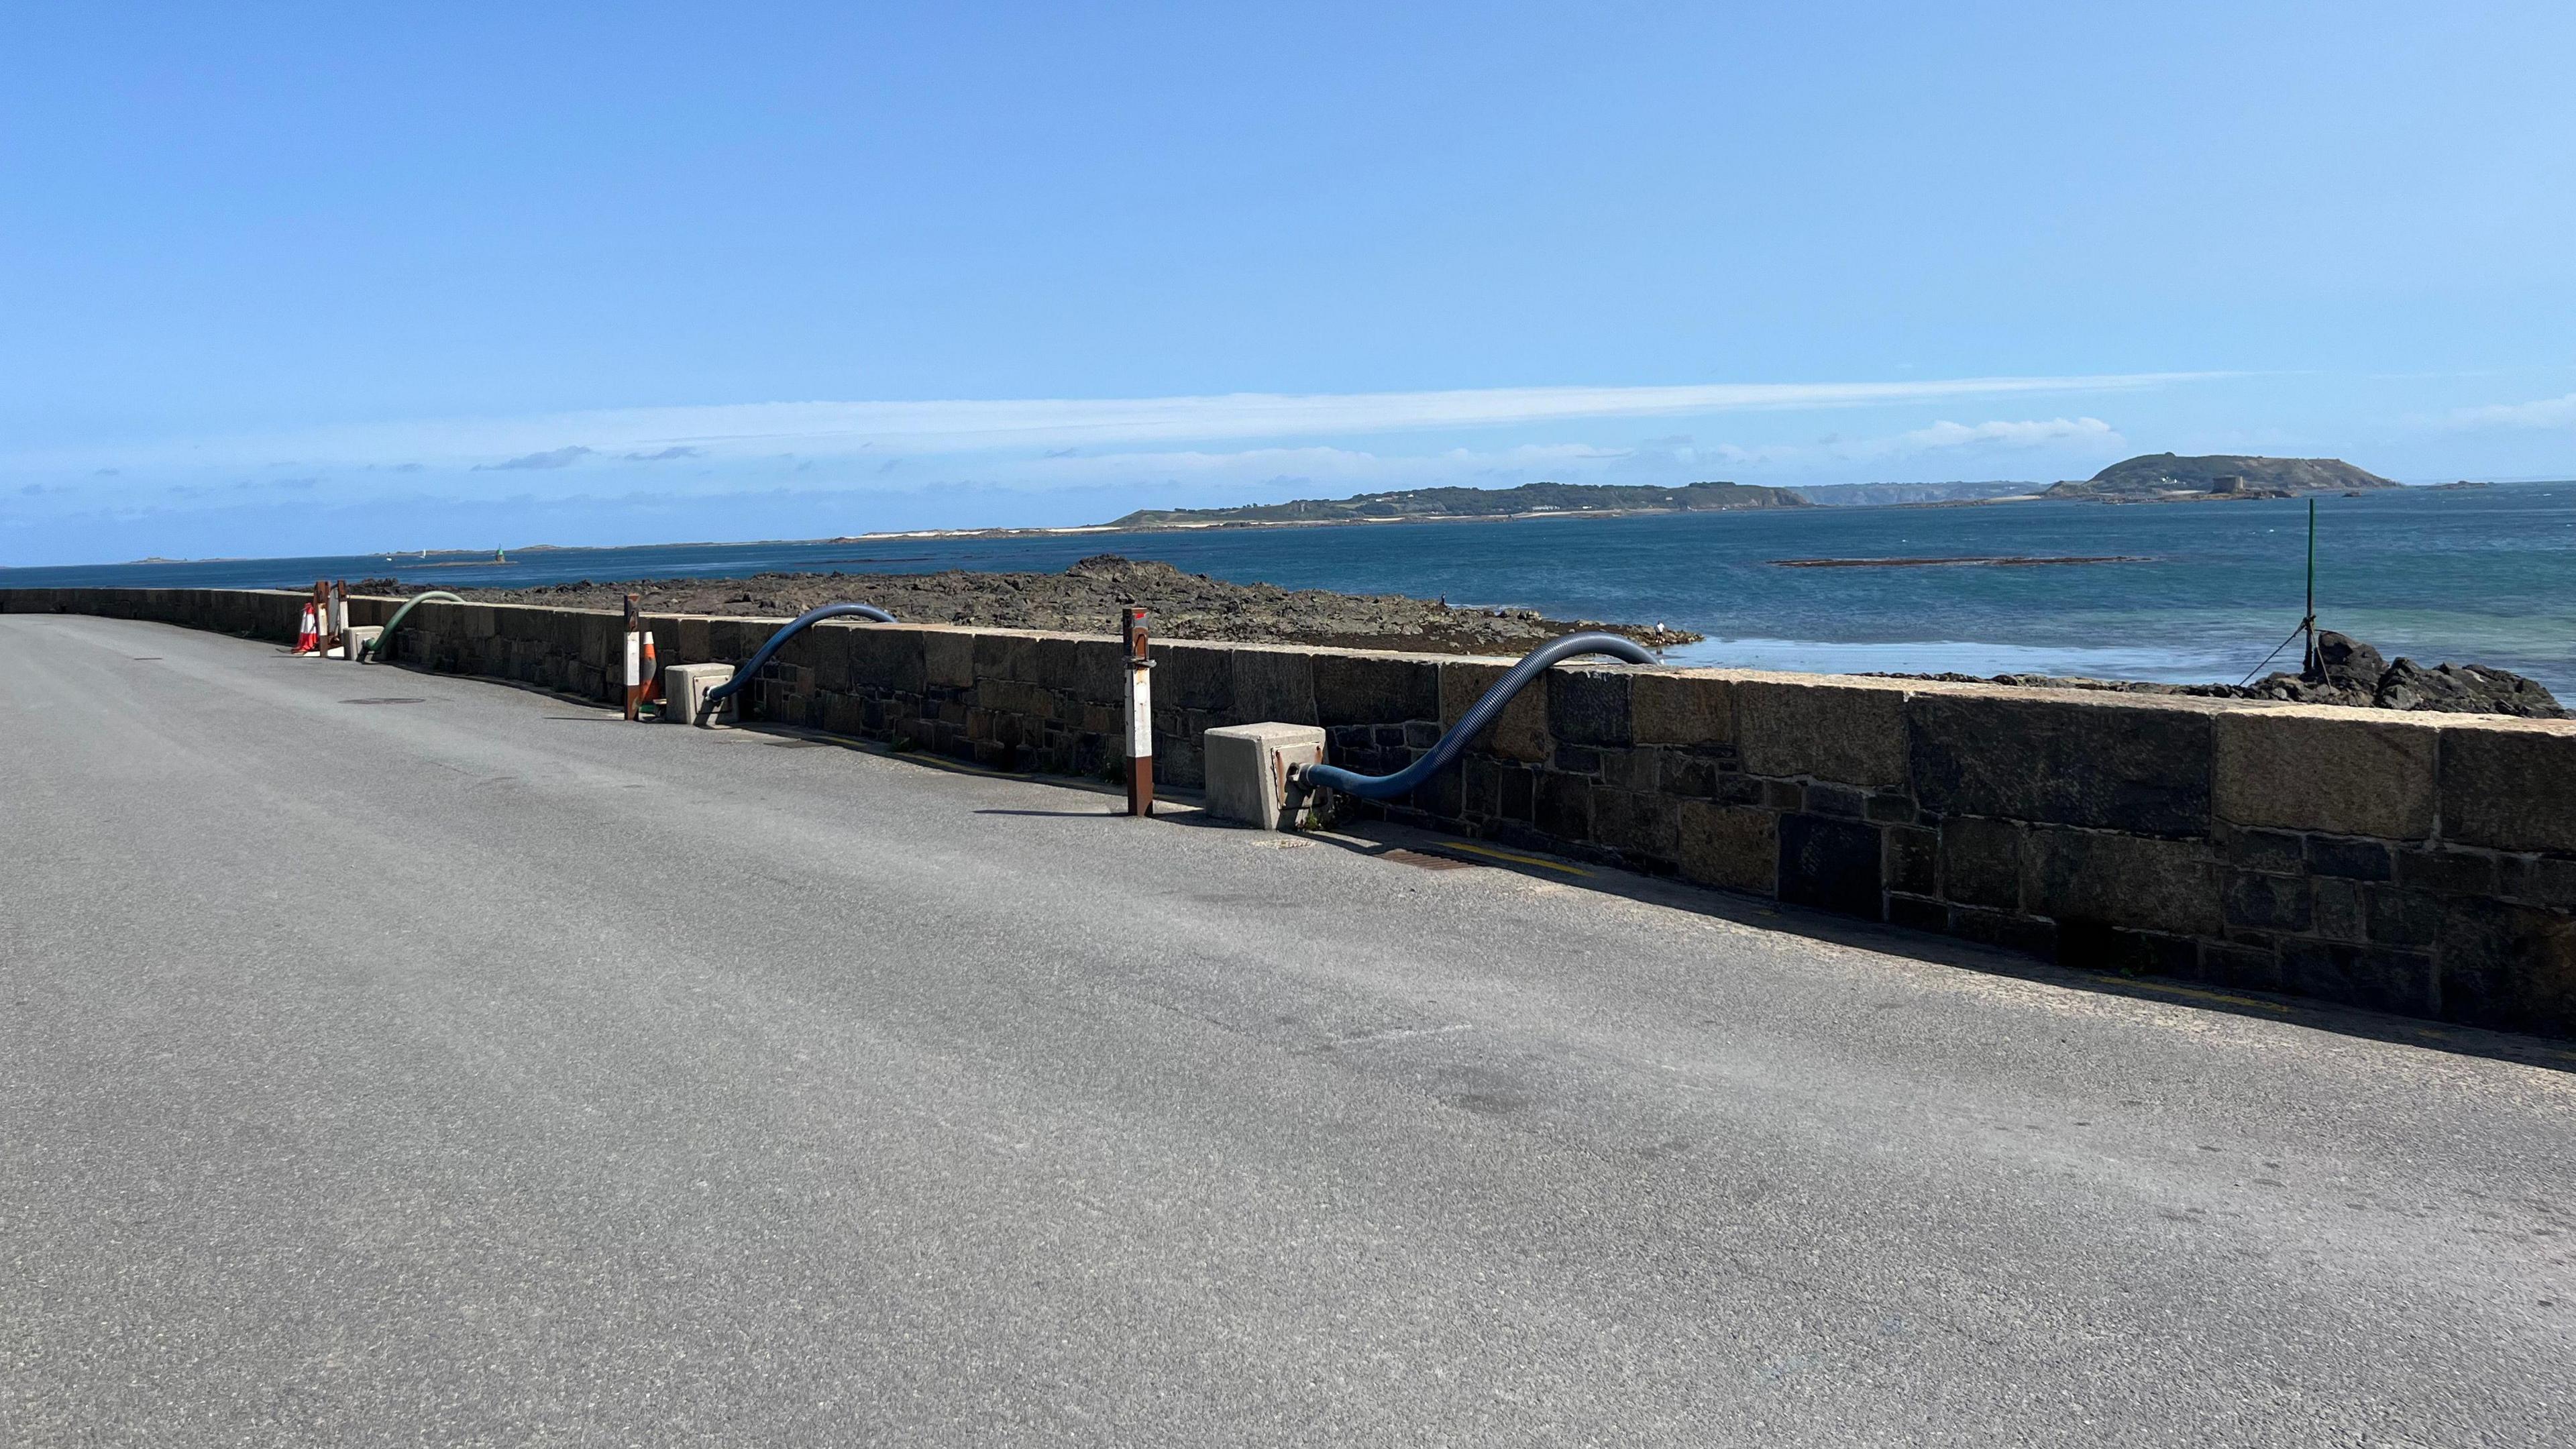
x=1472 y=723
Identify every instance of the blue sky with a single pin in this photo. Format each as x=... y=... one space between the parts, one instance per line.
x=284 y=279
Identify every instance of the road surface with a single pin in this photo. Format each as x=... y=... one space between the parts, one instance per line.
x=395 y=1059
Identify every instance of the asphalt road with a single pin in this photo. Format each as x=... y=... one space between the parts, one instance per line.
x=476 y=1069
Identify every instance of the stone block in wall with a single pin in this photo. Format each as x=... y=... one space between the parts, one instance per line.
x=2341 y=910
x=1519 y=733
x=886 y=659
x=732 y=640
x=2275 y=850
x=1055 y=662
x=1195 y=676
x=1274 y=684
x=1693 y=711
x=2091 y=946
x=1004 y=654
x=1832 y=864
x=2540 y=881
x=1637 y=822
x=2392 y=916
x=2010 y=930
x=1735 y=846
x=2255 y=901
x=2508 y=966
x=2341 y=771
x=2379 y=977
x=1981 y=862
x=1913 y=860
x=2141 y=769
x=2120 y=880
x=2510 y=784
x=1517 y=794
x=2350 y=859
x=2448 y=871
x=1564 y=806
x=1356 y=688
x=1100 y=672
x=948 y=657
x=1851 y=733
x=828 y=653
x=2250 y=968
x=1018 y=697
x=688 y=642
x=1589 y=707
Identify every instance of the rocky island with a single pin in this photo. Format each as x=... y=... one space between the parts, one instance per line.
x=2168 y=478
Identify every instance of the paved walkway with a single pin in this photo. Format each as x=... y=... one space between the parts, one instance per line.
x=389 y=1058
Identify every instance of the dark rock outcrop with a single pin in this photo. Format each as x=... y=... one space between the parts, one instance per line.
x=2347 y=672
x=2465 y=689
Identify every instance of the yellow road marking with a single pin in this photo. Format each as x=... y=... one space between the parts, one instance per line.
x=1491 y=853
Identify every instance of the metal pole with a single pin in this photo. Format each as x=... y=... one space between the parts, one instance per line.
x=1140 y=714
x=634 y=660
x=2309 y=621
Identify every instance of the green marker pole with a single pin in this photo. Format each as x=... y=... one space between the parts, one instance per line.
x=2309 y=623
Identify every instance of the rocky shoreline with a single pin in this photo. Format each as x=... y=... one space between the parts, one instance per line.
x=1086 y=598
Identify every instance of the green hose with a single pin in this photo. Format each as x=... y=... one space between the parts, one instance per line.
x=385 y=639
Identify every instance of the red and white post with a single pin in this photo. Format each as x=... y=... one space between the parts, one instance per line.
x=1140 y=714
x=634 y=661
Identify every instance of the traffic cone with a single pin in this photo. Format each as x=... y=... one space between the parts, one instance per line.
x=652 y=672
x=308 y=638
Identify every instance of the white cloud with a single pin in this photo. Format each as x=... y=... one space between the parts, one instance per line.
x=2549 y=412
x=840 y=429
x=2015 y=435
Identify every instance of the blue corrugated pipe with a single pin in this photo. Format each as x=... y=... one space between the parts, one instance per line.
x=752 y=665
x=1472 y=723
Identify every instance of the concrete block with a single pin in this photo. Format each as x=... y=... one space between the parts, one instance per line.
x=1696 y=711
x=1854 y=734
x=1735 y=846
x=1520 y=733
x=2510 y=785
x=2121 y=880
x=359 y=637
x=2338 y=771
x=2140 y=769
x=684 y=694
x=1247 y=771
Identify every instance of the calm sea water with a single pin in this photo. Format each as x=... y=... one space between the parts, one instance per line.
x=2485 y=576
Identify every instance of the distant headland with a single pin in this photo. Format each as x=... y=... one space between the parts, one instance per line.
x=1529 y=500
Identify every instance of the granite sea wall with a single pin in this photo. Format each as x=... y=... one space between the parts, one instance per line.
x=2413 y=863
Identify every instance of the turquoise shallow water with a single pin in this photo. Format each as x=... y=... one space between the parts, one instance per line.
x=2486 y=576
